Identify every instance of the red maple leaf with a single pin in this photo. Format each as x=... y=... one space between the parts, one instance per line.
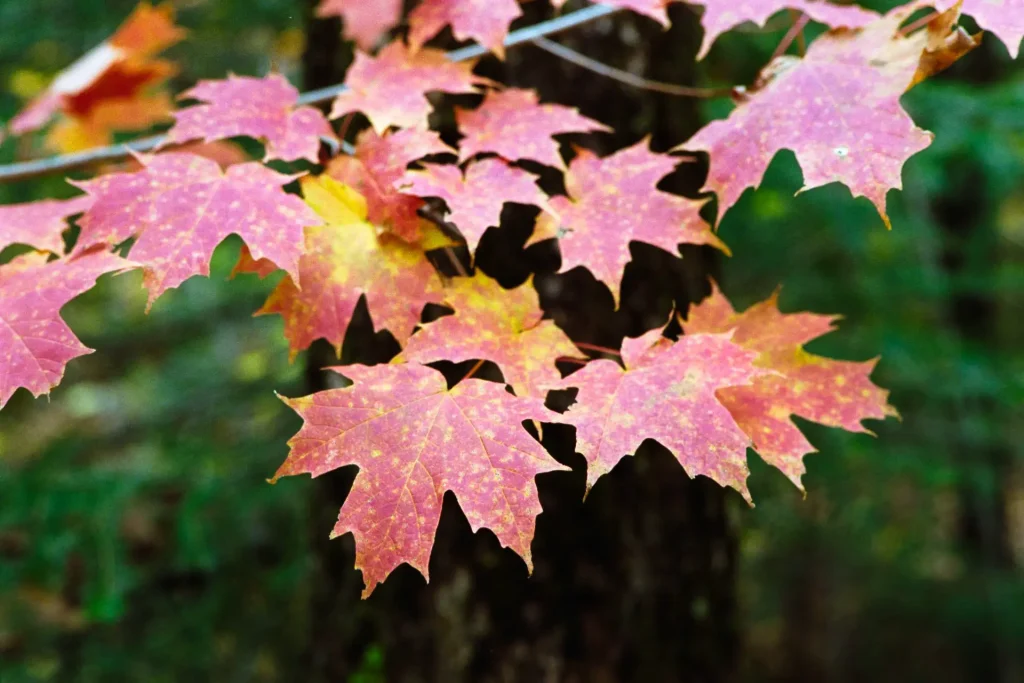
x=838 y=109
x=613 y=201
x=501 y=325
x=391 y=87
x=344 y=260
x=365 y=22
x=255 y=107
x=181 y=206
x=39 y=224
x=832 y=392
x=513 y=124
x=720 y=16
x=413 y=440
x=476 y=199
x=667 y=393
x=485 y=21
x=378 y=162
x=35 y=343
x=112 y=77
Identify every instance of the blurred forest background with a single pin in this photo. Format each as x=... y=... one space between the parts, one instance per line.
x=139 y=540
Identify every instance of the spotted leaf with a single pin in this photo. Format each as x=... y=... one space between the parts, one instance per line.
x=263 y=108
x=832 y=392
x=345 y=259
x=413 y=439
x=838 y=109
x=180 y=206
x=496 y=324
x=613 y=201
x=35 y=343
x=391 y=87
x=475 y=199
x=485 y=21
x=513 y=124
x=364 y=22
x=666 y=392
x=378 y=162
x=39 y=224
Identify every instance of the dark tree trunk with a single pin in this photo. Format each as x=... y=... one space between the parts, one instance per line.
x=637 y=583
x=971 y=254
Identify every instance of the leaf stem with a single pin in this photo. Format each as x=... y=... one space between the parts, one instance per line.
x=594 y=347
x=795 y=32
x=472 y=370
x=914 y=25
x=801 y=41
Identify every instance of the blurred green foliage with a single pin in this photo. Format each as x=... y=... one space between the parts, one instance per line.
x=133 y=506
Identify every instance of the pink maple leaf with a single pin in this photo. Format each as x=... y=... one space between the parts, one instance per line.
x=613 y=201
x=391 y=87
x=513 y=124
x=476 y=199
x=413 y=439
x=35 y=343
x=39 y=224
x=485 y=21
x=181 y=206
x=263 y=108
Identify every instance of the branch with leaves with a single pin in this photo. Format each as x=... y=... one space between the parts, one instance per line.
x=355 y=230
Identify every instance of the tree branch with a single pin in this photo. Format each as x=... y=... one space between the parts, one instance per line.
x=626 y=77
x=66 y=162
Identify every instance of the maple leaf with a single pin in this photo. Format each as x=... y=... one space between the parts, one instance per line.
x=413 y=440
x=1004 y=18
x=476 y=199
x=181 y=206
x=379 y=161
x=655 y=9
x=391 y=87
x=485 y=21
x=346 y=259
x=365 y=22
x=838 y=109
x=613 y=201
x=113 y=75
x=666 y=392
x=496 y=324
x=513 y=124
x=832 y=392
x=255 y=107
x=39 y=224
x=35 y=343
x=720 y=16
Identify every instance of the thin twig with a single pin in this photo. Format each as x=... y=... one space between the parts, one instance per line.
x=801 y=41
x=594 y=347
x=626 y=77
x=472 y=370
x=343 y=128
x=67 y=162
x=795 y=31
x=918 y=23
x=456 y=263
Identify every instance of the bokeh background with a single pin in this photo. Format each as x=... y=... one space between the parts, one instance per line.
x=139 y=540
